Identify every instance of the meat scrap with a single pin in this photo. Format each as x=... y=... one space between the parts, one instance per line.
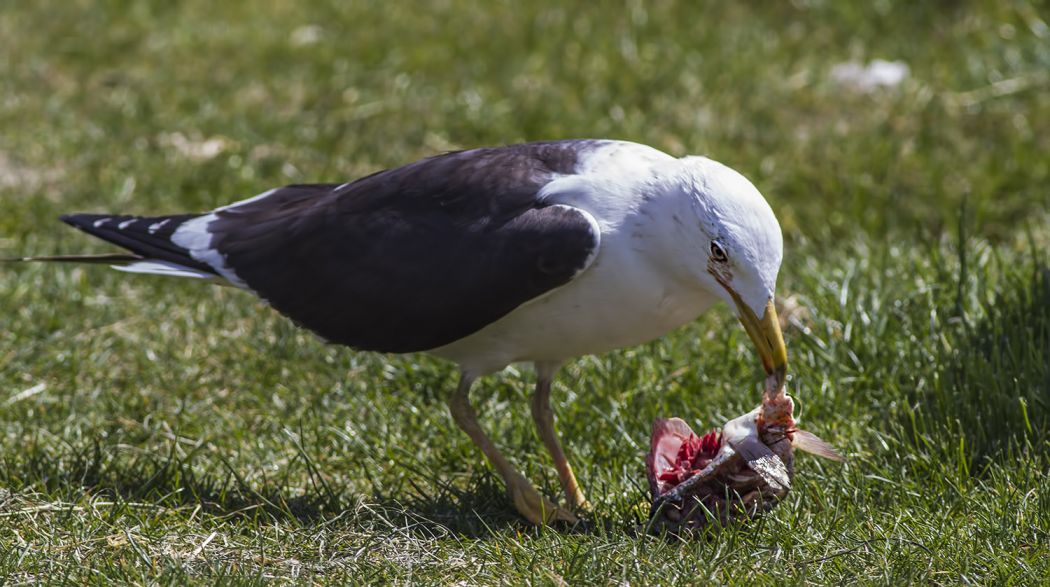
x=740 y=472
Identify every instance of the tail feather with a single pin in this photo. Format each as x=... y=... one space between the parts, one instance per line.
x=104 y=259
x=148 y=240
x=146 y=237
x=127 y=263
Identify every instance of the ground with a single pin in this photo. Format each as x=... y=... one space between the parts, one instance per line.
x=159 y=431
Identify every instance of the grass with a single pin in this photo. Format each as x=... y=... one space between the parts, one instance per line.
x=156 y=431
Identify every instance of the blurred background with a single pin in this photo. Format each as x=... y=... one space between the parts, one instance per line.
x=905 y=147
x=227 y=98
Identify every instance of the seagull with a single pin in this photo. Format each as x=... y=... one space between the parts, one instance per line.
x=531 y=253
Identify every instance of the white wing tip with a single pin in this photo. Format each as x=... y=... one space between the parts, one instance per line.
x=156 y=267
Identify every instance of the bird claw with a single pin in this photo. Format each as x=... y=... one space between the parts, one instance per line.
x=534 y=507
x=584 y=507
x=575 y=500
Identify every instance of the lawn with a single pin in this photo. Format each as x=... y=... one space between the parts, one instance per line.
x=159 y=431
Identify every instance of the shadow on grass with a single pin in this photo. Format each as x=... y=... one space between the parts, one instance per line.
x=993 y=396
x=479 y=511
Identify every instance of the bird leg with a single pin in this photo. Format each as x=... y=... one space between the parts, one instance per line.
x=543 y=415
x=530 y=504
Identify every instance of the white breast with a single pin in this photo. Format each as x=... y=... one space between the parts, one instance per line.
x=615 y=304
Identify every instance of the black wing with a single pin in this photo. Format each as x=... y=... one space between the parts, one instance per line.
x=416 y=257
x=149 y=237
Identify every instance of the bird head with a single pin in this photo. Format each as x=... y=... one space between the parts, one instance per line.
x=740 y=250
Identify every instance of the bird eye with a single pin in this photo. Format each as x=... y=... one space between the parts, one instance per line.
x=718 y=253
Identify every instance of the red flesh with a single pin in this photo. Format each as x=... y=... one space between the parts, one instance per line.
x=694 y=454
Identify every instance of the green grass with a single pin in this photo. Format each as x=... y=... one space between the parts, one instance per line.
x=156 y=431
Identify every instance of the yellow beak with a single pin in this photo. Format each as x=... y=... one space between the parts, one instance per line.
x=766 y=335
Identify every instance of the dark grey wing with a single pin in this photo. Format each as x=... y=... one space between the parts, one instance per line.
x=412 y=258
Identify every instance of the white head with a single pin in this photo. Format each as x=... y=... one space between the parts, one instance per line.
x=743 y=245
x=734 y=246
